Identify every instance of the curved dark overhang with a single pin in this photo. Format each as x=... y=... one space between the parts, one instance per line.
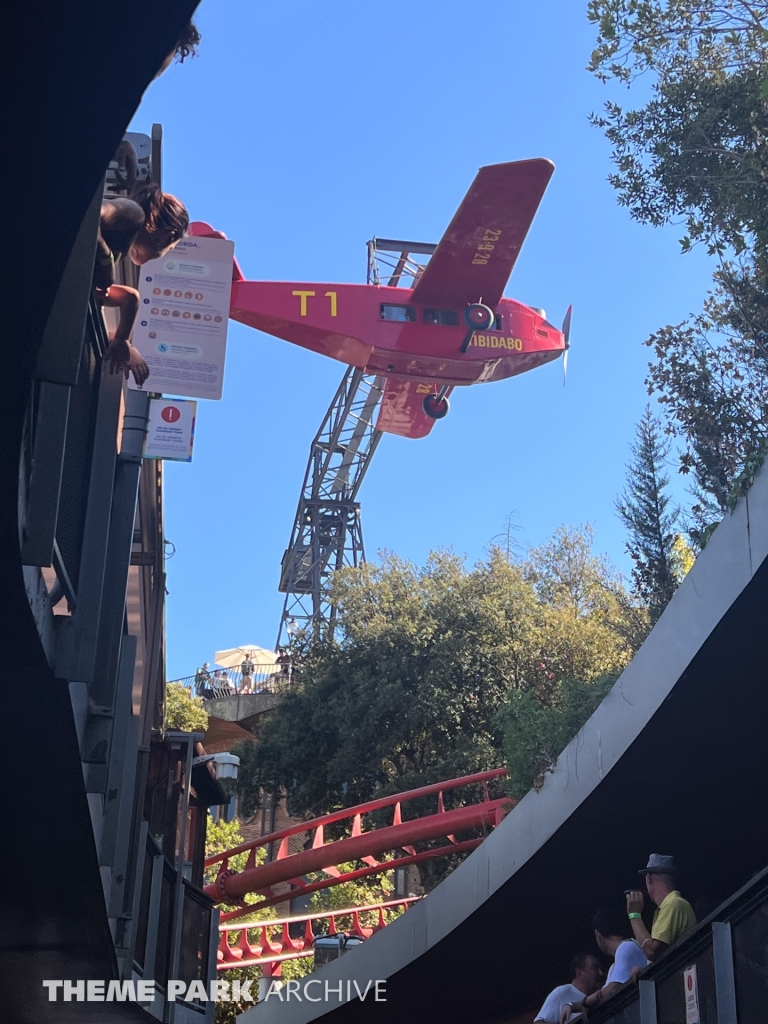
x=673 y=761
x=77 y=76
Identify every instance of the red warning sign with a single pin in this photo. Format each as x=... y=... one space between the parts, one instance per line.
x=171 y=414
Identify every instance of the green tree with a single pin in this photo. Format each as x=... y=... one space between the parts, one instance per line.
x=714 y=393
x=357 y=893
x=221 y=836
x=183 y=711
x=697 y=150
x=646 y=510
x=424 y=660
x=535 y=732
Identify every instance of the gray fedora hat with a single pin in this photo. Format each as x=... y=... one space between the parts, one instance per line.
x=659 y=864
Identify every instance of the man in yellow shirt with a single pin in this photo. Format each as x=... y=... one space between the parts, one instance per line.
x=674 y=916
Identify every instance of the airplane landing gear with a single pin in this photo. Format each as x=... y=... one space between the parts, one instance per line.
x=437 y=406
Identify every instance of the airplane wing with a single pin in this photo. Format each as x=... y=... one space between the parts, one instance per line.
x=402 y=411
x=476 y=254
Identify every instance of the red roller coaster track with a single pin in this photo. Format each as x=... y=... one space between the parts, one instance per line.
x=232 y=886
x=282 y=946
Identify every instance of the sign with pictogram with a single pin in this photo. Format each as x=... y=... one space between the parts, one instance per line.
x=170 y=430
x=181 y=329
x=692 y=1014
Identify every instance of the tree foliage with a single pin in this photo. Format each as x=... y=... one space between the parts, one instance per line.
x=183 y=711
x=713 y=387
x=357 y=893
x=697 y=148
x=424 y=660
x=535 y=732
x=635 y=36
x=697 y=151
x=221 y=836
x=646 y=509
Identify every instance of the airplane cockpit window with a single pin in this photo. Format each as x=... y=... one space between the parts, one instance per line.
x=447 y=317
x=497 y=322
x=400 y=314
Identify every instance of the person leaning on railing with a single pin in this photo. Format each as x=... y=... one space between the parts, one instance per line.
x=673 y=917
x=585 y=979
x=143 y=228
x=187 y=45
x=611 y=937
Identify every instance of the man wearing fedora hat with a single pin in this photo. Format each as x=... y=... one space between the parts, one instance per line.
x=673 y=917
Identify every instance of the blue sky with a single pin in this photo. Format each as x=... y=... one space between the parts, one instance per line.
x=301 y=130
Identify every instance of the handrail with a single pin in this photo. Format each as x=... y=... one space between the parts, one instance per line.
x=63 y=585
x=320 y=914
x=266 y=677
x=288 y=947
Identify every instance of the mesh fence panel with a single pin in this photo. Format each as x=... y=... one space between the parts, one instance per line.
x=705 y=975
x=142 y=925
x=77 y=457
x=670 y=992
x=626 y=1015
x=750 y=950
x=195 y=937
x=670 y=1000
x=164 y=927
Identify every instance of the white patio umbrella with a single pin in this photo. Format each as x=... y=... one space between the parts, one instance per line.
x=233 y=657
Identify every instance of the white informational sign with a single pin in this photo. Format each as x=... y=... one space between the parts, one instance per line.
x=692 y=1015
x=170 y=430
x=181 y=329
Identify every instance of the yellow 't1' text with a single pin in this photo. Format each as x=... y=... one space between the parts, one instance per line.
x=304 y=295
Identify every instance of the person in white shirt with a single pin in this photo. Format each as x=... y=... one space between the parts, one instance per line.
x=585 y=979
x=611 y=936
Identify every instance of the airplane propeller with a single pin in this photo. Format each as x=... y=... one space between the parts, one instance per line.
x=566 y=330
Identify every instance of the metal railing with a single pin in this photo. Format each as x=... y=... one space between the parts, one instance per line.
x=230 y=682
x=718 y=974
x=282 y=945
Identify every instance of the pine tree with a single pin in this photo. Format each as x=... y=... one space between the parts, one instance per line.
x=646 y=510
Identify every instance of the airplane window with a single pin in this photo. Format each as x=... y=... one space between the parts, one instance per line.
x=447 y=317
x=497 y=322
x=401 y=314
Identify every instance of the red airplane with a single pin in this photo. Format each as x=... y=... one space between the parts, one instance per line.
x=452 y=328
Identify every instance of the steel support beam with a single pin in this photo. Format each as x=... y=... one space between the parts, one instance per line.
x=178 y=897
x=725 y=981
x=42 y=507
x=110 y=702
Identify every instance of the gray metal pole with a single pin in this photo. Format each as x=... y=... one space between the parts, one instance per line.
x=725 y=982
x=647 y=1002
x=178 y=903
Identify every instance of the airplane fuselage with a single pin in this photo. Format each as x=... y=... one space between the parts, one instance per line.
x=378 y=329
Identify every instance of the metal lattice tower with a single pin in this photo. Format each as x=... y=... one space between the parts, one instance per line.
x=327 y=532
